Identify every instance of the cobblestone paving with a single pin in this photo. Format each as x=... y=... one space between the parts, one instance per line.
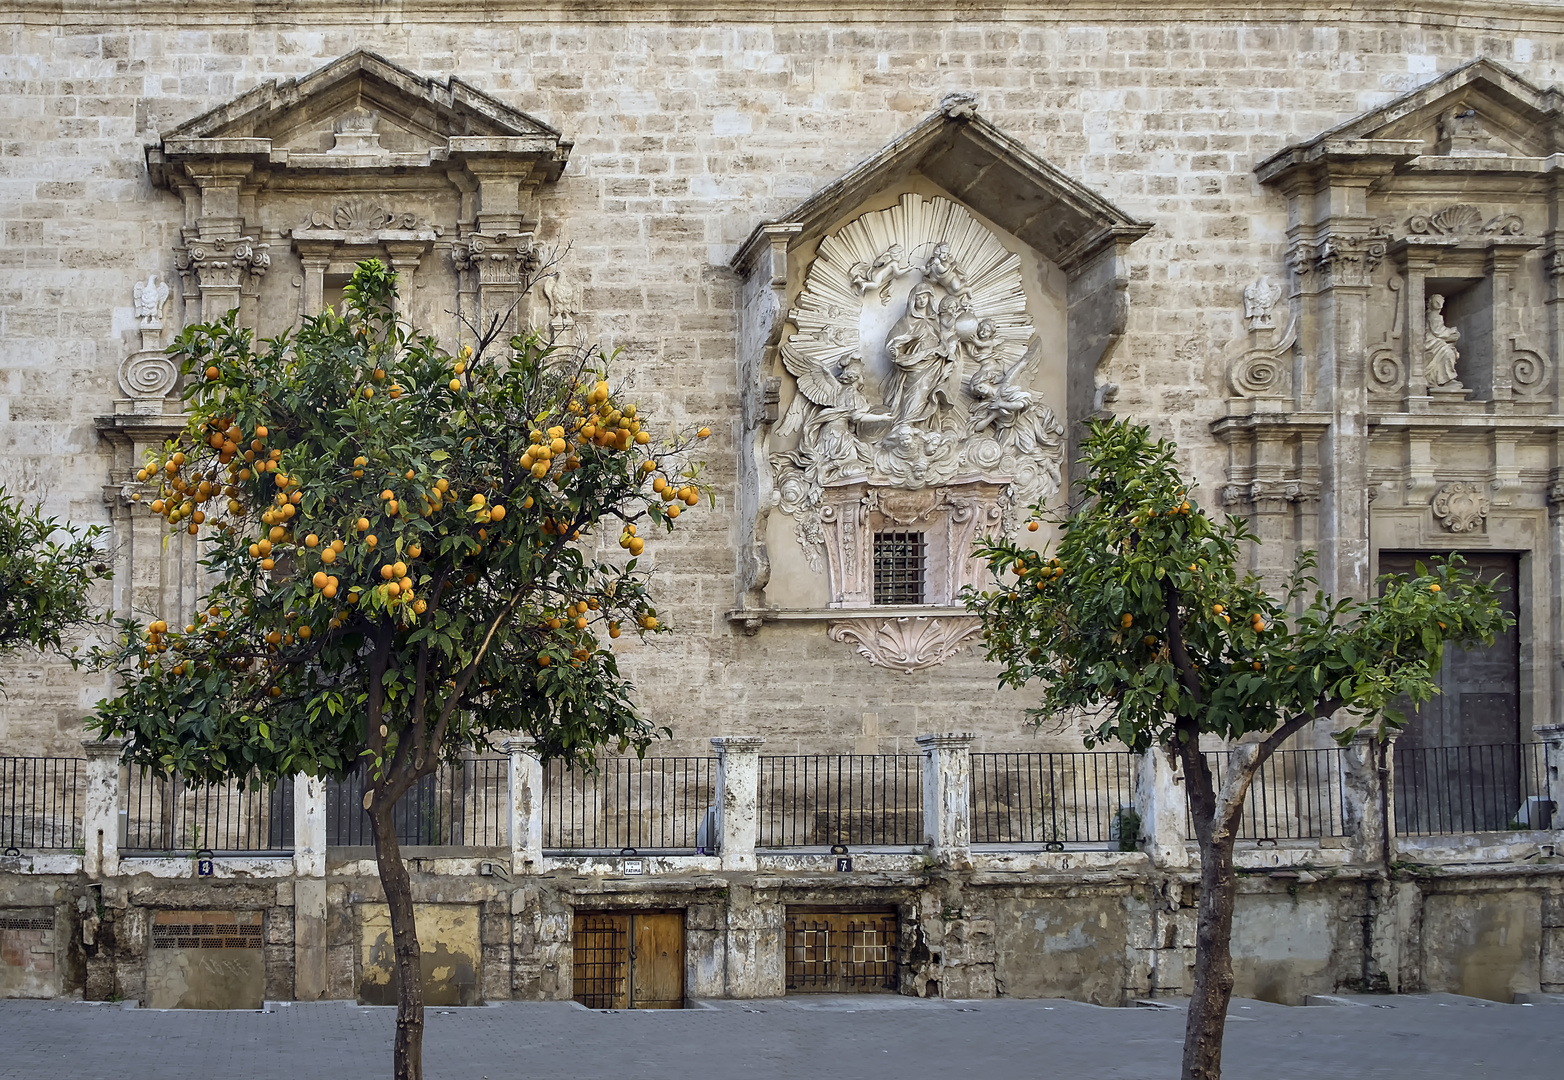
x=1423 y=1038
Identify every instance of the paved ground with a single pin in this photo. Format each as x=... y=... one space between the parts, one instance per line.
x=1421 y=1038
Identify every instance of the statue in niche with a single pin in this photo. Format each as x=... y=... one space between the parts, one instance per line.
x=1439 y=351
x=911 y=340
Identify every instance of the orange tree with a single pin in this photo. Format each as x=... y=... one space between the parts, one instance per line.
x=400 y=540
x=47 y=570
x=1139 y=620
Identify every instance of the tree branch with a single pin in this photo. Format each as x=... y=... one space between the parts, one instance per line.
x=1176 y=648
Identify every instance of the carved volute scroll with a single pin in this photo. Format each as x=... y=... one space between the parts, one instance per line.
x=912 y=352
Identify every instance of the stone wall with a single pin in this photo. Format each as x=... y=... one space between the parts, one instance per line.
x=690 y=127
x=1107 y=930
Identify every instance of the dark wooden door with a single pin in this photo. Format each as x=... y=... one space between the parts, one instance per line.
x=1458 y=764
x=842 y=951
x=629 y=960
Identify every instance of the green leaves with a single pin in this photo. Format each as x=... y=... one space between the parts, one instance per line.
x=1140 y=621
x=401 y=570
x=47 y=572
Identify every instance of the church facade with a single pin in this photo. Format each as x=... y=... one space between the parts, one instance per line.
x=893 y=257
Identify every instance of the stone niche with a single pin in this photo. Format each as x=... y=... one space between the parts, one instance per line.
x=917 y=340
x=281 y=192
x=1398 y=375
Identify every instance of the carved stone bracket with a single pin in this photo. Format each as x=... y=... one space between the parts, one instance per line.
x=222 y=263
x=906 y=643
x=1461 y=507
x=1265 y=372
x=496 y=259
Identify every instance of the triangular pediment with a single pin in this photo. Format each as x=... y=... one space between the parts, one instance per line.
x=1478 y=111
x=1060 y=218
x=362 y=111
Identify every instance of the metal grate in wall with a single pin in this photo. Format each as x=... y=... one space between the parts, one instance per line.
x=835 y=952
x=899 y=559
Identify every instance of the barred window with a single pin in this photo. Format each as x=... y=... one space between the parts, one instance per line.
x=898 y=567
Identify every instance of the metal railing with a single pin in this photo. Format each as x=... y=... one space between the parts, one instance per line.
x=861 y=800
x=1039 y=798
x=1448 y=790
x=649 y=804
x=164 y=815
x=40 y=803
x=466 y=804
x=1296 y=795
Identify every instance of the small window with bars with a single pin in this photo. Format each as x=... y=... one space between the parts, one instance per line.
x=898 y=567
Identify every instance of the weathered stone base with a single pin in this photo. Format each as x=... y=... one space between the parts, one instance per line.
x=1101 y=927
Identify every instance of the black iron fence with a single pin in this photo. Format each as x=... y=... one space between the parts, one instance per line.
x=649 y=804
x=466 y=804
x=860 y=800
x=165 y=815
x=1446 y=790
x=41 y=803
x=1038 y=798
x=1296 y=795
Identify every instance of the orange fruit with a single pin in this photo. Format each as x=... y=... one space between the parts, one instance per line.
x=1031 y=526
x=328 y=556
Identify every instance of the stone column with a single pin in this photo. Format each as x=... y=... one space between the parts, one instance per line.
x=1366 y=811
x=1163 y=808
x=1552 y=738
x=310 y=956
x=100 y=808
x=947 y=797
x=738 y=799
x=526 y=805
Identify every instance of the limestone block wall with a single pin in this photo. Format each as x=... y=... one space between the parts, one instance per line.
x=1106 y=936
x=690 y=127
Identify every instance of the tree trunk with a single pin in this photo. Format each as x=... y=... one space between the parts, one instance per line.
x=409 y=1053
x=1213 y=959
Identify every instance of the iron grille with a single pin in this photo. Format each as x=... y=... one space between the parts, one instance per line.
x=601 y=956
x=1451 y=790
x=835 y=952
x=898 y=567
x=40 y=805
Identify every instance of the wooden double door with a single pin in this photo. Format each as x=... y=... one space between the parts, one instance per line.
x=629 y=959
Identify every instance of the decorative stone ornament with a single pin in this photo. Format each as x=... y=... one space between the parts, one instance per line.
x=1259 y=298
x=1461 y=507
x=147 y=374
x=906 y=643
x=912 y=350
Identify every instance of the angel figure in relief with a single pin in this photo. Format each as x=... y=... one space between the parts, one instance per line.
x=827 y=411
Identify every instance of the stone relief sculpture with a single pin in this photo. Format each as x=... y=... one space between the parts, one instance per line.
x=1439 y=351
x=1461 y=507
x=1259 y=298
x=911 y=352
x=149 y=297
x=147 y=374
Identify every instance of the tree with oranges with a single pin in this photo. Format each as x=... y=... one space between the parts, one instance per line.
x=47 y=571
x=1139 y=620
x=403 y=547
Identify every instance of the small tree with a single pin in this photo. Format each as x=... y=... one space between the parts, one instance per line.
x=400 y=541
x=1140 y=620
x=47 y=571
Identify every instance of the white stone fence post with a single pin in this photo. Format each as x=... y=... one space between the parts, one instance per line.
x=100 y=808
x=1161 y=802
x=526 y=805
x=738 y=799
x=1552 y=738
x=947 y=797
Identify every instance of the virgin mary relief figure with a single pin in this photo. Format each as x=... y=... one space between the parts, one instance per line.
x=1439 y=351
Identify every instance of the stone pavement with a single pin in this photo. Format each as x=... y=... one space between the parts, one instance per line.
x=1428 y=1037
